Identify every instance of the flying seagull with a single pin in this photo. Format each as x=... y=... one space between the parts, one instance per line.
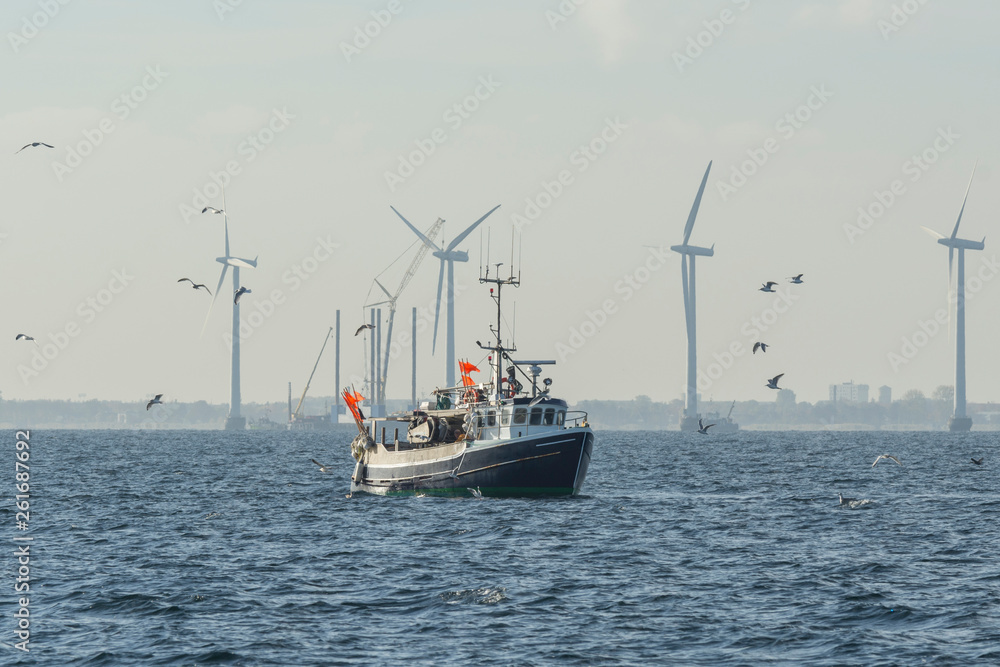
x=773 y=382
x=762 y=346
x=194 y=285
x=33 y=145
x=767 y=286
x=886 y=456
x=476 y=493
x=240 y=292
x=156 y=401
x=704 y=429
x=322 y=468
x=363 y=327
x=978 y=462
x=797 y=280
x=212 y=209
x=24 y=337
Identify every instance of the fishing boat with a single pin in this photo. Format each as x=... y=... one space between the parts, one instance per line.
x=723 y=424
x=499 y=437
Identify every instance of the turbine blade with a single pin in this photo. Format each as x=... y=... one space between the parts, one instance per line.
x=694 y=208
x=383 y=289
x=245 y=263
x=954 y=232
x=427 y=242
x=458 y=239
x=218 y=288
x=937 y=235
x=437 y=309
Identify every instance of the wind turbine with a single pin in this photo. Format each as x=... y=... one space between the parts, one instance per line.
x=689 y=422
x=447 y=256
x=235 y=422
x=959 y=421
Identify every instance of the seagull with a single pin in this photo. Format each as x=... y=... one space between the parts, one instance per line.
x=322 y=468
x=363 y=327
x=212 y=209
x=476 y=493
x=797 y=280
x=886 y=456
x=24 y=337
x=33 y=145
x=194 y=285
x=762 y=346
x=845 y=501
x=240 y=292
x=156 y=401
x=767 y=286
x=773 y=382
x=704 y=429
x=978 y=462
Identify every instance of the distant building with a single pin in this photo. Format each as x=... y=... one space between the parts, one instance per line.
x=885 y=395
x=786 y=398
x=848 y=392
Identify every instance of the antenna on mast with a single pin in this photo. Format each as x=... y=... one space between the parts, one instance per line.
x=512 y=252
x=513 y=328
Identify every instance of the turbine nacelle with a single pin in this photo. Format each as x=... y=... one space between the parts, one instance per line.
x=693 y=250
x=452 y=255
x=963 y=243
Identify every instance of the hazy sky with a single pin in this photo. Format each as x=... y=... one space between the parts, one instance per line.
x=602 y=114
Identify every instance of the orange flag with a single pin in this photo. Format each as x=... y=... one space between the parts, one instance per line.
x=466 y=367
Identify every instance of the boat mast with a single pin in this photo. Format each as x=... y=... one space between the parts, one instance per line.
x=498 y=349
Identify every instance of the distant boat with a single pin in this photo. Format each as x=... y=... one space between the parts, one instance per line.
x=723 y=424
x=492 y=436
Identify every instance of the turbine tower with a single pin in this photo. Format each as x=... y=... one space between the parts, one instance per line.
x=447 y=256
x=960 y=421
x=235 y=421
x=689 y=421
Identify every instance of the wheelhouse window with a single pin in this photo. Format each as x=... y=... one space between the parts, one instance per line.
x=561 y=417
x=520 y=415
x=550 y=417
x=505 y=417
x=491 y=418
x=536 y=417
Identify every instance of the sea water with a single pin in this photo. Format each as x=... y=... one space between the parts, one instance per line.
x=216 y=548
